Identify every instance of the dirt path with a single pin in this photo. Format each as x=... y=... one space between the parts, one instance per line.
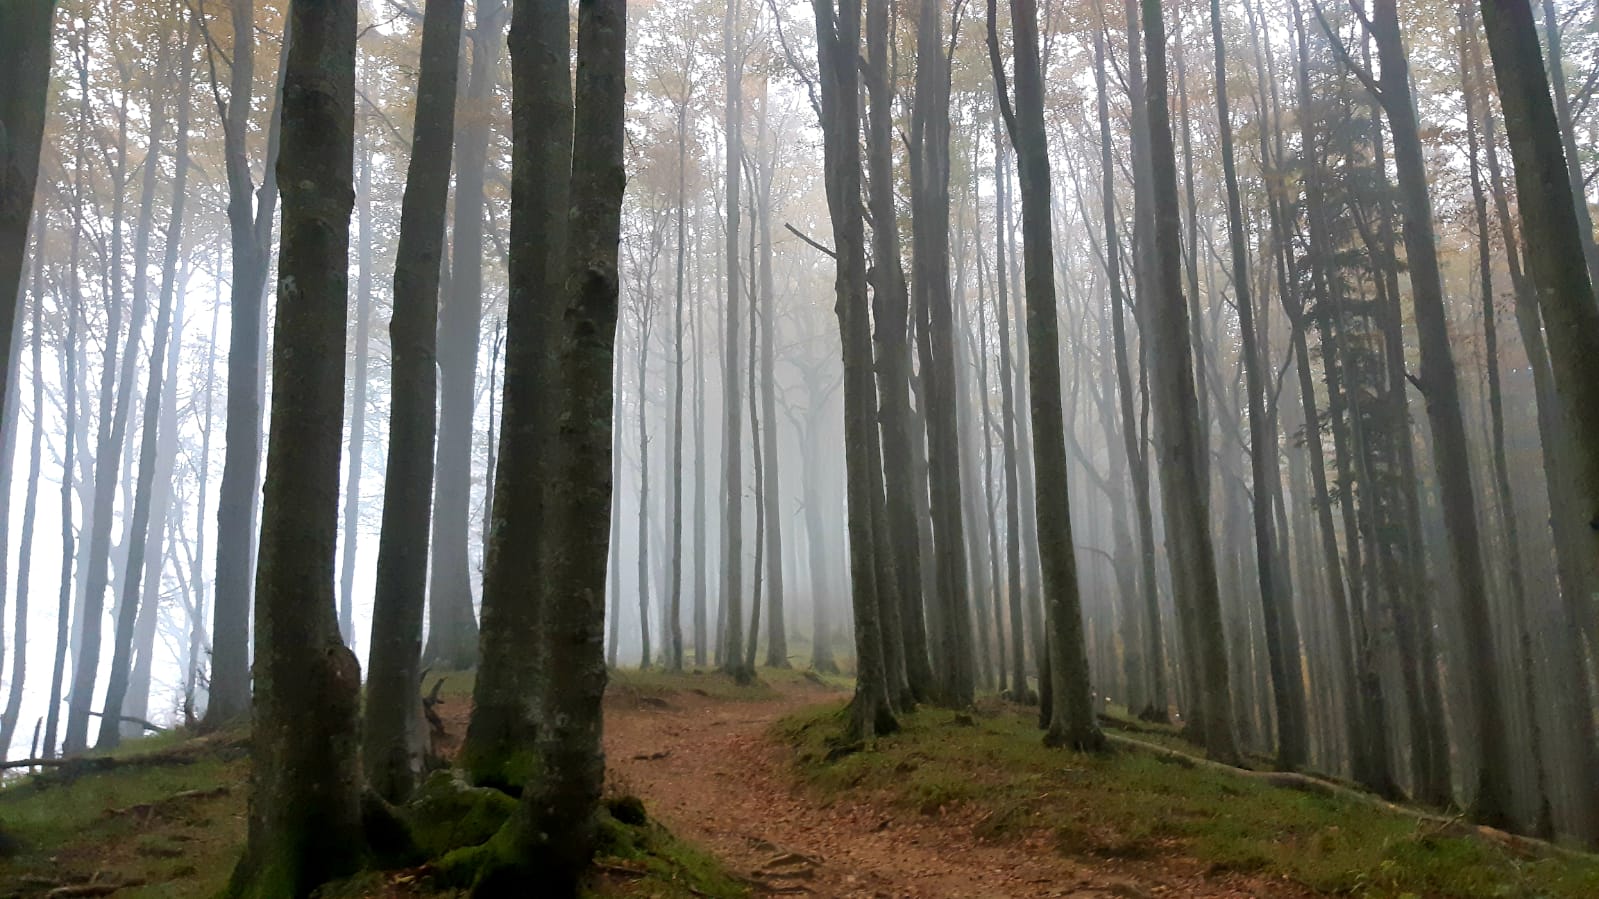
x=709 y=770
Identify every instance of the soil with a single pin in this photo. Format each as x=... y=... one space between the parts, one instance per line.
x=710 y=770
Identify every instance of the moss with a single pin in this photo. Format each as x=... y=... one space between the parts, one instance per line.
x=1131 y=806
x=447 y=813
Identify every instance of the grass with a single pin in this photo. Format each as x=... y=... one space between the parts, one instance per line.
x=1129 y=807
x=176 y=829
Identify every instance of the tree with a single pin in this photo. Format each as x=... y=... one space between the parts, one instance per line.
x=1282 y=632
x=250 y=220
x=838 y=43
x=1071 y=719
x=503 y=724
x=553 y=834
x=731 y=652
x=1179 y=441
x=1555 y=262
x=391 y=747
x=930 y=216
x=305 y=819
x=452 y=632
x=25 y=68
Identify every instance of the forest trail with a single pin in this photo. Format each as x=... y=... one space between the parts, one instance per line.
x=708 y=768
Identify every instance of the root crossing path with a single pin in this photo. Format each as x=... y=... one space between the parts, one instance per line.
x=711 y=771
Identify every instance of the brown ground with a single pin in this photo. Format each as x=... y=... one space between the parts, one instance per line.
x=710 y=771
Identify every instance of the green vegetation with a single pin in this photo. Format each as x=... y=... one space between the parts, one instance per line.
x=1129 y=806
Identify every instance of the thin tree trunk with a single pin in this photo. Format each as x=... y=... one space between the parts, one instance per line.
x=1282 y=632
x=452 y=631
x=1072 y=721
x=359 y=377
x=1181 y=443
x=391 y=748
x=674 y=613
x=19 y=633
x=250 y=221
x=139 y=532
x=732 y=429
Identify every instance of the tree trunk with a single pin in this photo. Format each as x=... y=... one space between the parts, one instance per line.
x=1072 y=721
x=19 y=633
x=674 y=611
x=1158 y=708
x=1277 y=607
x=139 y=528
x=305 y=820
x=553 y=834
x=1181 y=444
x=503 y=726
x=250 y=223
x=646 y=315
x=452 y=631
x=391 y=748
x=1441 y=392
x=359 y=377
x=838 y=40
x=25 y=28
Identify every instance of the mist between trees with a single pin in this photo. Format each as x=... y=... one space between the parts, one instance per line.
x=1232 y=363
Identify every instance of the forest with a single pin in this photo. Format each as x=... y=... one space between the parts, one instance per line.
x=856 y=448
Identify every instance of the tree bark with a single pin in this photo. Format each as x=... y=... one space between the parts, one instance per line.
x=391 y=749
x=250 y=223
x=359 y=377
x=1180 y=442
x=452 y=631
x=1277 y=607
x=503 y=723
x=304 y=817
x=25 y=68
x=1072 y=721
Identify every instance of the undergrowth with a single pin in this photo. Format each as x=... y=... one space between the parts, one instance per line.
x=173 y=829
x=1130 y=806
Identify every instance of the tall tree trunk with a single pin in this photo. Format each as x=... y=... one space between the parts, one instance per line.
x=702 y=642
x=305 y=819
x=553 y=834
x=646 y=315
x=1442 y=394
x=452 y=631
x=1544 y=823
x=1158 y=708
x=930 y=217
x=1180 y=441
x=502 y=725
x=732 y=428
x=1013 y=555
x=25 y=28
x=1569 y=543
x=1072 y=721
x=19 y=632
x=359 y=377
x=1277 y=607
x=139 y=526
x=838 y=41
x=674 y=611
x=391 y=748
x=1551 y=234
x=250 y=221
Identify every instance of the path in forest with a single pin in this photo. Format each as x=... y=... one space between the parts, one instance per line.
x=709 y=769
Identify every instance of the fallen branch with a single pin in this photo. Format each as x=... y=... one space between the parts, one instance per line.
x=808 y=239
x=93 y=888
x=130 y=719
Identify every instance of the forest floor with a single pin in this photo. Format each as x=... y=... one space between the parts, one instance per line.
x=750 y=794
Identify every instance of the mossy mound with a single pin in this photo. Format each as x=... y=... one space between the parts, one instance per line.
x=448 y=813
